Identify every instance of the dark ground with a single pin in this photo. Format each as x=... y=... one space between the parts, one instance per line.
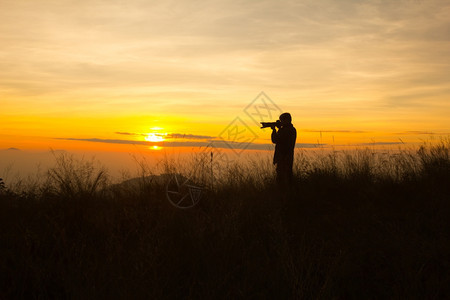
x=357 y=236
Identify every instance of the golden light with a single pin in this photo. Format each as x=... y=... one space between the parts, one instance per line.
x=154 y=137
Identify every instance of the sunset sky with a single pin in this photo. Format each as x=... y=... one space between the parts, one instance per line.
x=91 y=74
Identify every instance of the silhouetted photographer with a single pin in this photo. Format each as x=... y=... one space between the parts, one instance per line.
x=284 y=140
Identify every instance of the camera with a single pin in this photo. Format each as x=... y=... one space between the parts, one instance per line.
x=271 y=124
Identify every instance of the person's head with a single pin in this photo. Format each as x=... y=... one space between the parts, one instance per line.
x=285 y=118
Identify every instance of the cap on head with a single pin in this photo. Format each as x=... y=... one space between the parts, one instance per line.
x=286 y=117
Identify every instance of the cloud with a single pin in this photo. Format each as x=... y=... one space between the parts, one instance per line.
x=197 y=44
x=129 y=133
x=189 y=136
x=109 y=141
x=171 y=135
x=378 y=144
x=309 y=145
x=211 y=143
x=415 y=132
x=336 y=131
x=144 y=143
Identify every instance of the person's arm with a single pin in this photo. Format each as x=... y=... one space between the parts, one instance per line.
x=280 y=136
x=274 y=135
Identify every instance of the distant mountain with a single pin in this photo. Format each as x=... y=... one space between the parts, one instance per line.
x=12 y=149
x=139 y=181
x=152 y=179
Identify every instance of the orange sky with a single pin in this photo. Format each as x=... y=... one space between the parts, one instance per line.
x=101 y=75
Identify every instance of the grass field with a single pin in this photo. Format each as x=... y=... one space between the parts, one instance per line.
x=355 y=225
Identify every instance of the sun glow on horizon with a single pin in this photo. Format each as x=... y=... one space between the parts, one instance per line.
x=155 y=137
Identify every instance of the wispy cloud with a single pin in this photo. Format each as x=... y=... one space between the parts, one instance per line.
x=335 y=131
x=145 y=143
x=130 y=133
x=109 y=141
x=189 y=136
x=215 y=143
x=186 y=136
x=415 y=132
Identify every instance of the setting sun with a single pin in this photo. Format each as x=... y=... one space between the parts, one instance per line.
x=154 y=137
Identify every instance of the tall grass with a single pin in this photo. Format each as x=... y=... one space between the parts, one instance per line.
x=356 y=224
x=76 y=178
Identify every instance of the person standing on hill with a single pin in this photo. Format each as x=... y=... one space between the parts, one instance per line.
x=284 y=140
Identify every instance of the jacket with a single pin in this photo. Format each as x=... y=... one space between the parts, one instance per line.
x=284 y=141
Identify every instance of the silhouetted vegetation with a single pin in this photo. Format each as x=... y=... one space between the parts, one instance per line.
x=355 y=225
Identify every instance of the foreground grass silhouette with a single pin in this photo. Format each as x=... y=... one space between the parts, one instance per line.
x=355 y=225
